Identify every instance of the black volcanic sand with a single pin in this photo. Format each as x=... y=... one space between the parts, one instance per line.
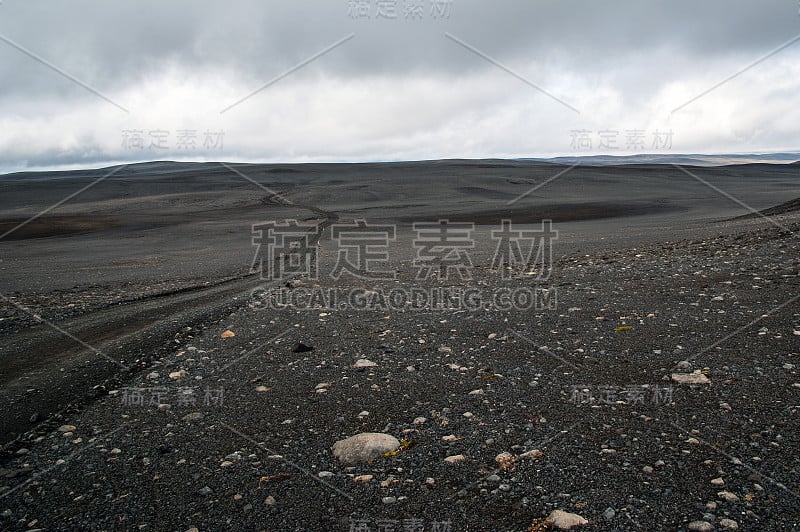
x=637 y=295
x=53 y=226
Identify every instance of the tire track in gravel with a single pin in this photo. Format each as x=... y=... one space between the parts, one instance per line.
x=43 y=372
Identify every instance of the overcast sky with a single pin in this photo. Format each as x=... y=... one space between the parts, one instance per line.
x=85 y=83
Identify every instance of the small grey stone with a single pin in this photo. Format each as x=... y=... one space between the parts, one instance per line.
x=609 y=513
x=389 y=500
x=701 y=526
x=234 y=457
x=205 y=490
x=728 y=496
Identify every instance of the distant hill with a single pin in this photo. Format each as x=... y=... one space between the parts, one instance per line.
x=783 y=208
x=155 y=168
x=683 y=159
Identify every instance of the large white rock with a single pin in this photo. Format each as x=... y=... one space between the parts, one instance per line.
x=564 y=520
x=364 y=447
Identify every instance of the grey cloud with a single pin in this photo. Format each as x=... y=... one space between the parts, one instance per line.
x=628 y=50
x=112 y=43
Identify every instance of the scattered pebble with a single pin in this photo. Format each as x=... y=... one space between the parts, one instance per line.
x=533 y=454
x=565 y=521
x=302 y=348
x=364 y=447
x=505 y=461
x=696 y=377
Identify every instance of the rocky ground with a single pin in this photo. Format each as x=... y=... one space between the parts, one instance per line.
x=499 y=418
x=58 y=305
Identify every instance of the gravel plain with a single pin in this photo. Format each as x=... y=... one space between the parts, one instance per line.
x=503 y=416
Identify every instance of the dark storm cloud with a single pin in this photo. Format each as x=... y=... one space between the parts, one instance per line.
x=116 y=43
